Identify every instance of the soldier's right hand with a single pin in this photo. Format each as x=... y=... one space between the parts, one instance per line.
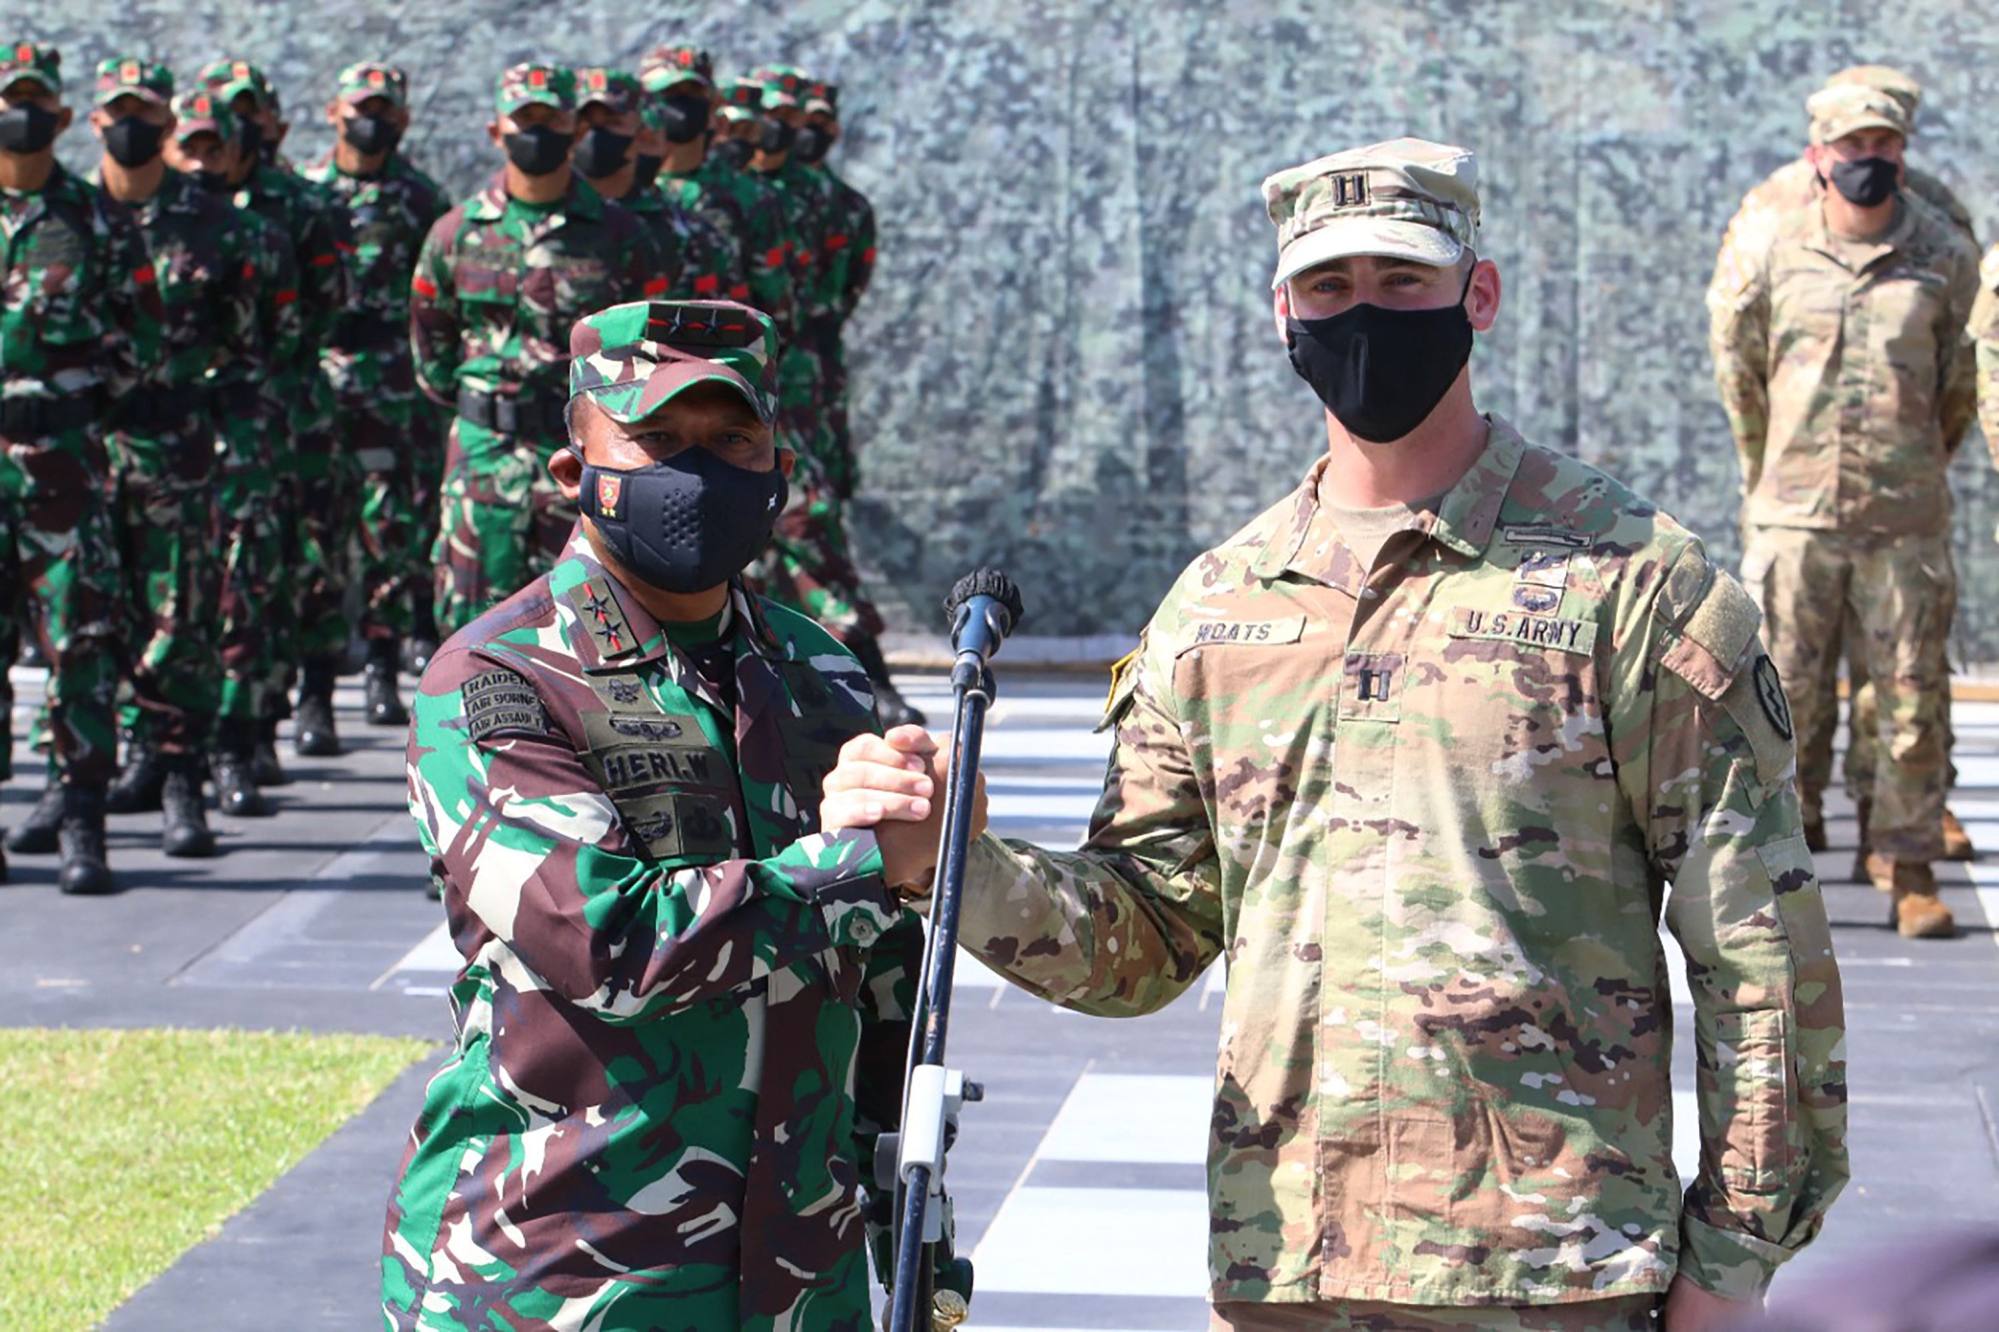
x=888 y=783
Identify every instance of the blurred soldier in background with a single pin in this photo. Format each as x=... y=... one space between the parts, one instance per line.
x=847 y=263
x=385 y=427
x=80 y=324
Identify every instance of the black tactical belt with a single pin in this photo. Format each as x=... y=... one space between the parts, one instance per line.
x=161 y=409
x=366 y=332
x=524 y=413
x=32 y=418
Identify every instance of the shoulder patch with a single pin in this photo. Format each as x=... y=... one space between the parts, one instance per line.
x=1124 y=681
x=1711 y=630
x=503 y=702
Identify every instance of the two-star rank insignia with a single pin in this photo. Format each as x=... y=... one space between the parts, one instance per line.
x=600 y=613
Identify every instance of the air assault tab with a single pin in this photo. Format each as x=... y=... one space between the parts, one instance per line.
x=500 y=703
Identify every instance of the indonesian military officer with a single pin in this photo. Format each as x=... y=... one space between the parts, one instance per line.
x=1795 y=185
x=500 y=279
x=1418 y=752
x=316 y=476
x=204 y=254
x=681 y=967
x=1839 y=355
x=391 y=433
x=79 y=324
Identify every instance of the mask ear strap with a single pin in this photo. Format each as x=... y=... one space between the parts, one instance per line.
x=1470 y=273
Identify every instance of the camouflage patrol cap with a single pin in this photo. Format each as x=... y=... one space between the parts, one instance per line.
x=230 y=79
x=668 y=64
x=778 y=86
x=203 y=111
x=822 y=98
x=1883 y=78
x=1845 y=108
x=741 y=99
x=367 y=78
x=530 y=82
x=130 y=76
x=1404 y=199
x=34 y=61
x=631 y=358
x=614 y=88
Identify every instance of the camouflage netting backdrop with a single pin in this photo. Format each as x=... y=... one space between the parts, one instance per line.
x=1067 y=362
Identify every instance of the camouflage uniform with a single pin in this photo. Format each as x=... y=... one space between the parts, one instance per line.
x=1753 y=228
x=162 y=445
x=846 y=264
x=1984 y=331
x=674 y=984
x=1841 y=368
x=1437 y=883
x=682 y=243
x=79 y=333
x=496 y=287
x=317 y=480
x=392 y=433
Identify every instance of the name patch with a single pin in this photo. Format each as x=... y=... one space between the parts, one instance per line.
x=1244 y=633
x=502 y=702
x=1542 y=631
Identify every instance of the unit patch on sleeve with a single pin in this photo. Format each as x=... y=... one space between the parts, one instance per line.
x=502 y=702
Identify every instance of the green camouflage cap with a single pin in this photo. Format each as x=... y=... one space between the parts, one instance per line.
x=367 y=78
x=670 y=63
x=1404 y=199
x=203 y=111
x=741 y=99
x=631 y=358
x=33 y=61
x=1883 y=78
x=230 y=79
x=530 y=82
x=1843 y=108
x=783 y=85
x=822 y=98
x=130 y=76
x=614 y=88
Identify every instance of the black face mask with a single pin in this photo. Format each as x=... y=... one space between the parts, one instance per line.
x=686 y=118
x=732 y=153
x=645 y=169
x=252 y=141
x=1866 y=181
x=1382 y=372
x=687 y=524
x=370 y=135
x=600 y=152
x=812 y=146
x=777 y=137
x=132 y=142
x=215 y=182
x=27 y=129
x=538 y=149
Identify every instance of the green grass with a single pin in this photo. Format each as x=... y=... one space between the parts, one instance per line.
x=121 y=1149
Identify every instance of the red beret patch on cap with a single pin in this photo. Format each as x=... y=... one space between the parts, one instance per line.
x=609 y=489
x=24 y=53
x=537 y=78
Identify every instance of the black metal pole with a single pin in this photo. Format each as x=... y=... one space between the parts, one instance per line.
x=914 y=1260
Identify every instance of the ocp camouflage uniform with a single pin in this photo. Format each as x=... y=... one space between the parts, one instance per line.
x=79 y=333
x=1983 y=329
x=674 y=984
x=1753 y=228
x=392 y=434
x=162 y=443
x=1841 y=366
x=497 y=285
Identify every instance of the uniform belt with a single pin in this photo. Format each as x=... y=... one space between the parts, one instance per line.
x=159 y=409
x=32 y=418
x=523 y=413
x=366 y=332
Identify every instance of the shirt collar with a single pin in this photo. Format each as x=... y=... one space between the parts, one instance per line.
x=615 y=632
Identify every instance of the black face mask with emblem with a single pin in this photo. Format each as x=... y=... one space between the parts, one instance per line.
x=688 y=523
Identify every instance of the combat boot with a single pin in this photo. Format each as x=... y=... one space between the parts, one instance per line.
x=313 y=735
x=1913 y=907
x=1862 y=848
x=891 y=708
x=184 y=832
x=37 y=835
x=1956 y=841
x=137 y=789
x=1815 y=833
x=236 y=792
x=264 y=765
x=379 y=681
x=84 y=871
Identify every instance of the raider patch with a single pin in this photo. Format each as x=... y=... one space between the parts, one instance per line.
x=502 y=702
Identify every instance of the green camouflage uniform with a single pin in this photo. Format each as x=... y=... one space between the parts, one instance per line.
x=1842 y=369
x=317 y=482
x=391 y=432
x=1426 y=810
x=1792 y=186
x=79 y=333
x=681 y=244
x=846 y=264
x=674 y=984
x=497 y=285
x=162 y=446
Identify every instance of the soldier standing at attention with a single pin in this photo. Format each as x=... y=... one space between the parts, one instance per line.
x=1984 y=331
x=204 y=254
x=1795 y=185
x=386 y=426
x=1840 y=357
x=847 y=262
x=1443 y=1099
x=79 y=336
x=499 y=281
x=683 y=968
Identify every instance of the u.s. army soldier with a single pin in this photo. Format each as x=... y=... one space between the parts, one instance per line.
x=1418 y=752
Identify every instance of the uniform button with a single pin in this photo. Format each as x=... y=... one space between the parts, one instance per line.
x=863 y=932
x=1368 y=594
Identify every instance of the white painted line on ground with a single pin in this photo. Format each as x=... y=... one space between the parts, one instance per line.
x=1985 y=883
x=434 y=952
x=1135 y=1117
x=1144 y=1242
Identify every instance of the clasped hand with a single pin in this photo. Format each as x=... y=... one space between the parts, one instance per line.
x=894 y=784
